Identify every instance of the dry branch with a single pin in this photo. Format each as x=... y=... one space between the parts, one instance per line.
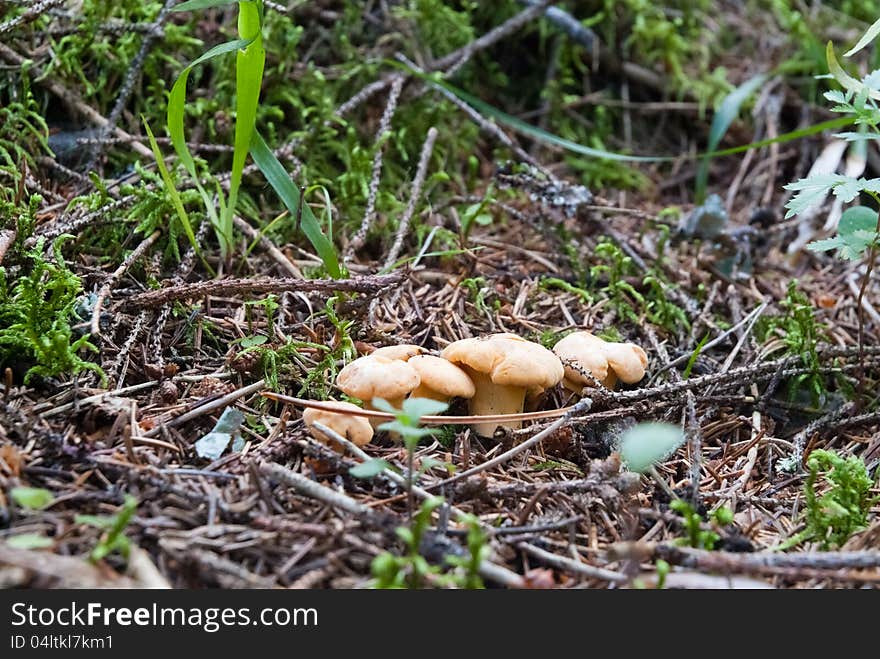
x=370 y=285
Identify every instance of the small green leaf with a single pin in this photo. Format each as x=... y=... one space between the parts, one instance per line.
x=811 y=191
x=416 y=408
x=29 y=541
x=98 y=521
x=252 y=341
x=856 y=232
x=370 y=468
x=32 y=498
x=648 y=443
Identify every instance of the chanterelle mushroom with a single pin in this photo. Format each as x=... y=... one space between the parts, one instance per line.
x=356 y=429
x=584 y=354
x=378 y=377
x=440 y=379
x=503 y=367
x=627 y=360
x=404 y=352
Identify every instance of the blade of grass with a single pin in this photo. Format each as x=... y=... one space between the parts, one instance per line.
x=289 y=193
x=694 y=356
x=175 y=119
x=172 y=191
x=549 y=138
x=724 y=116
x=192 y=5
x=249 y=65
x=867 y=38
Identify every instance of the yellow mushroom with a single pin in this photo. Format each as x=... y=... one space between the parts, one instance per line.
x=440 y=379
x=378 y=377
x=356 y=429
x=503 y=367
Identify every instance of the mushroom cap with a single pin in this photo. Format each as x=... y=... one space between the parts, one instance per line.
x=377 y=377
x=442 y=376
x=627 y=360
x=356 y=429
x=585 y=351
x=403 y=352
x=507 y=359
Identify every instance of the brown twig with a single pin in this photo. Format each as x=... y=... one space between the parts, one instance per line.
x=370 y=284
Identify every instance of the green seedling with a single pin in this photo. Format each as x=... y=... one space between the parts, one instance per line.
x=831 y=518
x=113 y=539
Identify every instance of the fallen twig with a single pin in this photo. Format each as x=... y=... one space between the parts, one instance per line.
x=369 y=284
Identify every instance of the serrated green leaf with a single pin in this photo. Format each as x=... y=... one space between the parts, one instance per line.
x=648 y=443
x=811 y=191
x=856 y=233
x=370 y=468
x=32 y=498
x=836 y=96
x=867 y=38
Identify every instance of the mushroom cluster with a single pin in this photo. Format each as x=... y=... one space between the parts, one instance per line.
x=586 y=356
x=497 y=374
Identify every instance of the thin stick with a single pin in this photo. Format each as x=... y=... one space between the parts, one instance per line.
x=384 y=125
x=460 y=57
x=415 y=193
x=315 y=490
x=563 y=563
x=273 y=251
x=371 y=284
x=210 y=406
x=104 y=293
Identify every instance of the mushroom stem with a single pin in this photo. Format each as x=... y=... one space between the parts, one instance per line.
x=491 y=398
x=426 y=392
x=396 y=403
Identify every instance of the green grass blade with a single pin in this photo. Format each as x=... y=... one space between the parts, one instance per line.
x=175 y=121
x=549 y=138
x=724 y=116
x=867 y=38
x=193 y=5
x=177 y=102
x=280 y=181
x=249 y=66
x=172 y=191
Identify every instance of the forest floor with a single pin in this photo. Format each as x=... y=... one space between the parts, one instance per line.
x=449 y=222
